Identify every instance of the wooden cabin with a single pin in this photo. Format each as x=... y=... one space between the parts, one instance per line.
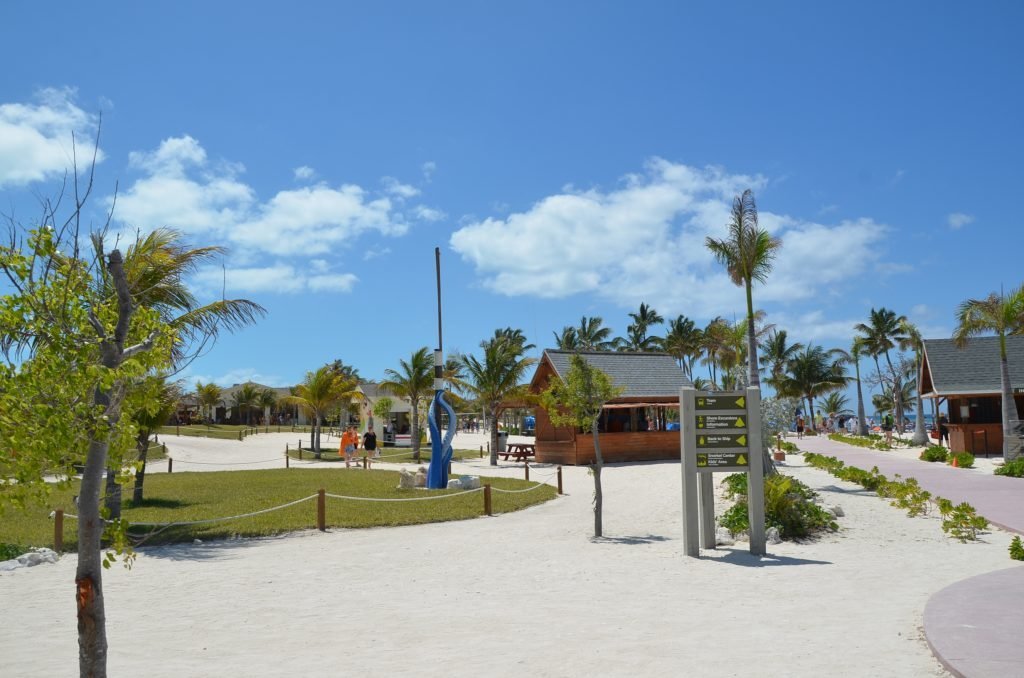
x=968 y=380
x=642 y=424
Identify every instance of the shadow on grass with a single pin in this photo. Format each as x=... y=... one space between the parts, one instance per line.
x=215 y=545
x=747 y=559
x=844 y=490
x=156 y=502
x=630 y=541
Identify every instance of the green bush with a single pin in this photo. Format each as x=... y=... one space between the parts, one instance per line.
x=963 y=459
x=1014 y=469
x=790 y=447
x=961 y=521
x=788 y=505
x=934 y=453
x=1017 y=549
x=11 y=551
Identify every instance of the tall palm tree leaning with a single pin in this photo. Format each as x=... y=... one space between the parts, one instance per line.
x=318 y=393
x=856 y=350
x=882 y=333
x=747 y=254
x=1004 y=315
x=413 y=380
x=496 y=378
x=913 y=341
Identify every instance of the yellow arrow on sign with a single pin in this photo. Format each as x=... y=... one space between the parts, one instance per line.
x=741 y=402
x=701 y=440
x=700 y=422
x=742 y=440
x=739 y=422
x=741 y=460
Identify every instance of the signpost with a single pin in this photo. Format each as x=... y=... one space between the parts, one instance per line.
x=720 y=432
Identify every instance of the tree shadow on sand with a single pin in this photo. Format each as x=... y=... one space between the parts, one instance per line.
x=630 y=540
x=746 y=559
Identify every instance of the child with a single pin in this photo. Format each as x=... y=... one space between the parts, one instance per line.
x=349 y=442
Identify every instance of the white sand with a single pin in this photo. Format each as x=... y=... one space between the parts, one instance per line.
x=523 y=594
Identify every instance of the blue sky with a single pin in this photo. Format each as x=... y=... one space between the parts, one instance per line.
x=568 y=158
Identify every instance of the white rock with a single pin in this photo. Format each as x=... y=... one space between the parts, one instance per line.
x=470 y=482
x=454 y=484
x=197 y=541
x=421 y=477
x=406 y=480
x=836 y=510
x=772 y=536
x=30 y=559
x=723 y=537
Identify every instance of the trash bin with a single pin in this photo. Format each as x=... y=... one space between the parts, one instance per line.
x=502 y=441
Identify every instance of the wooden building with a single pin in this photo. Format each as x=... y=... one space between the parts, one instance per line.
x=640 y=425
x=968 y=381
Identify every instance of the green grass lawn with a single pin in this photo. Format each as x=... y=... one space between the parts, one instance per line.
x=391 y=455
x=196 y=496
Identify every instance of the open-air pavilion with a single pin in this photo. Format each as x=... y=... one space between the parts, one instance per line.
x=641 y=424
x=968 y=380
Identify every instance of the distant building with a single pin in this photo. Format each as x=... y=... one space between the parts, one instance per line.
x=639 y=425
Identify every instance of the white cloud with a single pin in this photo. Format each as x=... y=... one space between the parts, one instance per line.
x=239 y=375
x=428 y=168
x=645 y=240
x=182 y=189
x=280 y=278
x=304 y=173
x=958 y=220
x=373 y=253
x=397 y=189
x=428 y=213
x=36 y=138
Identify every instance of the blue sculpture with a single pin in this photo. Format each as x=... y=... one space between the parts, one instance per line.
x=440 y=450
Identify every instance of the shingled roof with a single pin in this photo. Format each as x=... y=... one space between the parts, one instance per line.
x=972 y=370
x=642 y=375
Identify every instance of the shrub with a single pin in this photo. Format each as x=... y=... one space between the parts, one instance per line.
x=788 y=505
x=934 y=453
x=1017 y=549
x=962 y=521
x=790 y=447
x=963 y=459
x=11 y=551
x=1014 y=469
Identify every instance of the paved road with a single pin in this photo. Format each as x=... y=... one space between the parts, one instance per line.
x=998 y=498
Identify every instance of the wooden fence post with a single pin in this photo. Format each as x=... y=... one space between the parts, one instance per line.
x=58 y=530
x=487 y=499
x=287 y=460
x=321 y=510
x=526 y=465
x=366 y=462
x=165 y=449
x=481 y=451
x=170 y=465
x=559 y=480
x=449 y=467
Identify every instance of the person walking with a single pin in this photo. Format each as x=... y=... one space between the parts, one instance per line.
x=370 y=445
x=799 y=426
x=887 y=428
x=349 y=442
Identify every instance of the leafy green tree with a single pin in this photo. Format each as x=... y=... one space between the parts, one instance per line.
x=882 y=334
x=349 y=372
x=645 y=318
x=835 y=403
x=577 y=401
x=1002 y=314
x=496 y=378
x=318 y=394
x=714 y=342
x=382 y=409
x=245 y=398
x=567 y=339
x=776 y=352
x=267 y=400
x=747 y=254
x=592 y=335
x=413 y=380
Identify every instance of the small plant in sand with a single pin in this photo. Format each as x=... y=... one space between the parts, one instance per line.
x=788 y=505
x=1017 y=549
x=961 y=521
x=1013 y=469
x=934 y=453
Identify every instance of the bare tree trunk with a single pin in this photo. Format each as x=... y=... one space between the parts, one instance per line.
x=415 y=429
x=920 y=435
x=92 y=626
x=140 y=475
x=862 y=423
x=492 y=419
x=1011 y=421
x=598 y=494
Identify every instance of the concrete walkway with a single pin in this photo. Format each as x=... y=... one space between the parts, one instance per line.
x=998 y=498
x=973 y=626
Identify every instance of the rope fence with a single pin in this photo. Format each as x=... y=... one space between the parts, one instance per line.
x=321 y=496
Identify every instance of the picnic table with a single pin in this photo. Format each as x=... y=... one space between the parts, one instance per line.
x=520 y=451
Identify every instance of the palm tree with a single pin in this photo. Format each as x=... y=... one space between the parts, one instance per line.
x=636 y=341
x=495 y=379
x=683 y=342
x=165 y=396
x=643 y=319
x=912 y=341
x=245 y=397
x=1004 y=315
x=591 y=335
x=747 y=254
x=414 y=380
x=715 y=338
x=811 y=373
x=209 y=396
x=835 y=403
x=318 y=394
x=882 y=333
x=267 y=401
x=776 y=353
x=157 y=265
x=856 y=350
x=567 y=340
